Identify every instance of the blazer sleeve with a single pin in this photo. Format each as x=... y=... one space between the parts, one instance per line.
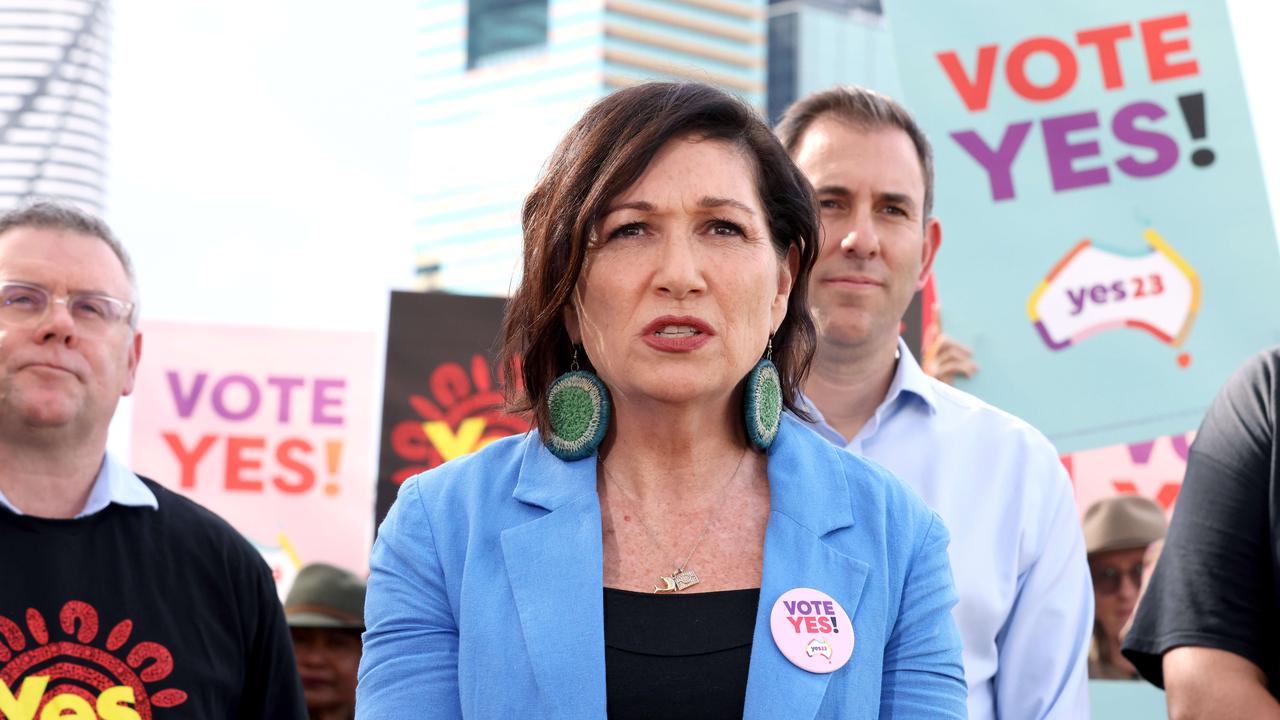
x=410 y=661
x=923 y=675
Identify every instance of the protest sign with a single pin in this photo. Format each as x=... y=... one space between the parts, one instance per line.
x=272 y=429
x=443 y=394
x=1108 y=250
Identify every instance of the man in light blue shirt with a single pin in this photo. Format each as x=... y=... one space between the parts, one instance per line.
x=1017 y=552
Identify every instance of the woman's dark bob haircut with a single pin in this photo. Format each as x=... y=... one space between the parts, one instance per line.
x=603 y=155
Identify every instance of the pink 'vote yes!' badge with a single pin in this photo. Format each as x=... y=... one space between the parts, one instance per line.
x=812 y=630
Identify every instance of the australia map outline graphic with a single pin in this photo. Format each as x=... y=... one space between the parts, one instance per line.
x=1092 y=290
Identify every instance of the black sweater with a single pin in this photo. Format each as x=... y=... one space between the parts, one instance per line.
x=140 y=613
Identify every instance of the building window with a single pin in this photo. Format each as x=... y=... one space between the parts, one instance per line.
x=495 y=27
x=783 y=30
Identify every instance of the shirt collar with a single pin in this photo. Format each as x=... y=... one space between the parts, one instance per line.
x=114 y=484
x=908 y=378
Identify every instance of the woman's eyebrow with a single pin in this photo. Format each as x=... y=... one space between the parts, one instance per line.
x=641 y=205
x=715 y=202
x=706 y=202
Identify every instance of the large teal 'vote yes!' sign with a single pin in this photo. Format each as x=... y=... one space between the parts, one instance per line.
x=1109 y=254
x=1074 y=154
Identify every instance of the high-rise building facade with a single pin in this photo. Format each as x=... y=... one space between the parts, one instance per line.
x=815 y=44
x=500 y=81
x=53 y=101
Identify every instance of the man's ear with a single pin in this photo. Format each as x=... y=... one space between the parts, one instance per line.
x=135 y=354
x=929 y=250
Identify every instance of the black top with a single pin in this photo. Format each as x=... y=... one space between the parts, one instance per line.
x=678 y=656
x=1216 y=583
x=165 y=614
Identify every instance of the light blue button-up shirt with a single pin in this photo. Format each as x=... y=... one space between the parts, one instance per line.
x=1017 y=551
x=115 y=483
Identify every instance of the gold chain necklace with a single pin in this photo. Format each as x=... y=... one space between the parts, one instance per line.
x=682 y=577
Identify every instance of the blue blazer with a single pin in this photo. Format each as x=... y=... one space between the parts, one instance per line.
x=486 y=591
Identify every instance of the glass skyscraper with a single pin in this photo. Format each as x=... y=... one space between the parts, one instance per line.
x=814 y=44
x=500 y=81
x=53 y=101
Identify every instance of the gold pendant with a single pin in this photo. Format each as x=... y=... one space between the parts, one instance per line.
x=677 y=581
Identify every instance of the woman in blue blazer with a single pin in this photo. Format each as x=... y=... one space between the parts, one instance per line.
x=666 y=543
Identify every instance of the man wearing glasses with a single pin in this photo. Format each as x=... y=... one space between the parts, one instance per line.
x=121 y=598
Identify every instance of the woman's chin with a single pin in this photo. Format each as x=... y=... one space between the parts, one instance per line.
x=675 y=390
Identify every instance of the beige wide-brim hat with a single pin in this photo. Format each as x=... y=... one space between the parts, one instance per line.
x=325 y=596
x=1123 y=522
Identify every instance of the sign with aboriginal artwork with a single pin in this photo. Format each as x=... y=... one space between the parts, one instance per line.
x=272 y=429
x=443 y=394
x=1085 y=152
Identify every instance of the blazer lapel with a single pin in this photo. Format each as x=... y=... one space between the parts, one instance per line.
x=810 y=501
x=554 y=565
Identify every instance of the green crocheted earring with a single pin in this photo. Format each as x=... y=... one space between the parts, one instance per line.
x=762 y=401
x=579 y=407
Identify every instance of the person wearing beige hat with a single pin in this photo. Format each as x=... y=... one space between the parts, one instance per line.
x=325 y=611
x=1117 y=533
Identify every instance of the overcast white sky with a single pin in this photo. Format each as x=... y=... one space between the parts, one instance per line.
x=259 y=160
x=259 y=157
x=259 y=164
x=1255 y=23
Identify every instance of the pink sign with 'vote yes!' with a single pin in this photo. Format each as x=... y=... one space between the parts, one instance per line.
x=270 y=428
x=812 y=630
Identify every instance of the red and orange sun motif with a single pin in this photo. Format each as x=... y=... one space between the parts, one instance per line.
x=456 y=396
x=74 y=666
